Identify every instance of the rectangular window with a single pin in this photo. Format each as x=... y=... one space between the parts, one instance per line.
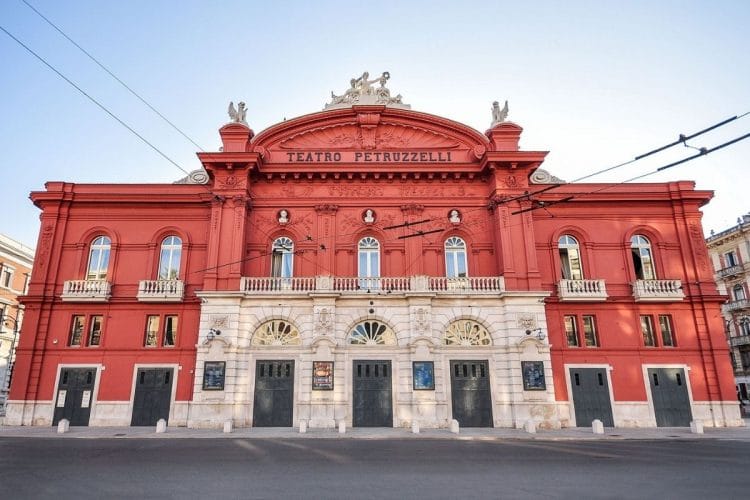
x=667 y=332
x=647 y=328
x=730 y=259
x=170 y=330
x=589 y=331
x=76 y=330
x=7 y=277
x=152 y=331
x=571 y=331
x=95 y=330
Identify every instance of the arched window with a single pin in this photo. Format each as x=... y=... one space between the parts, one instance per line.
x=99 y=258
x=169 y=258
x=282 y=259
x=570 y=258
x=466 y=333
x=276 y=333
x=643 y=262
x=372 y=333
x=368 y=262
x=455 y=258
x=739 y=292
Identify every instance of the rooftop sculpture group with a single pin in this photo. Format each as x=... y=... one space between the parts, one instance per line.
x=362 y=91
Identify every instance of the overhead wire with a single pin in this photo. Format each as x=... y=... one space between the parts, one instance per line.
x=110 y=73
x=92 y=99
x=682 y=139
x=702 y=152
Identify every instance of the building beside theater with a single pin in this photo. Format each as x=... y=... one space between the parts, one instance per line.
x=376 y=265
x=16 y=260
x=730 y=256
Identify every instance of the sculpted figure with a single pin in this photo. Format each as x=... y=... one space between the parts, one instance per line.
x=237 y=115
x=454 y=217
x=499 y=115
x=283 y=217
x=369 y=217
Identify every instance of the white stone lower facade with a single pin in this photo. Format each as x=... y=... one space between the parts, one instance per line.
x=418 y=323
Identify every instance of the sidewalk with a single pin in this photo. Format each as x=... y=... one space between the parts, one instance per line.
x=471 y=434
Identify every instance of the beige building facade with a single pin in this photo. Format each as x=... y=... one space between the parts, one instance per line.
x=15 y=272
x=730 y=256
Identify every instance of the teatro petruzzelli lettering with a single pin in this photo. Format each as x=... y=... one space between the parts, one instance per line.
x=369 y=156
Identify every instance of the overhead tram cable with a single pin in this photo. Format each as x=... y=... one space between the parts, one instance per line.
x=90 y=98
x=681 y=140
x=107 y=70
x=701 y=152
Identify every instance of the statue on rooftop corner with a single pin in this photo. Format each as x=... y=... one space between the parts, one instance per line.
x=499 y=115
x=361 y=91
x=237 y=115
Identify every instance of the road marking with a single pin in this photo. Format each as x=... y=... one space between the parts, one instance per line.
x=562 y=449
x=334 y=457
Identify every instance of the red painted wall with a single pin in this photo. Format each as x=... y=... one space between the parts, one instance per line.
x=228 y=227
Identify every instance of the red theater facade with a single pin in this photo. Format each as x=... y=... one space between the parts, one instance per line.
x=378 y=266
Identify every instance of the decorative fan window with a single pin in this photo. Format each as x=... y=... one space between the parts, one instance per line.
x=276 y=333
x=467 y=333
x=372 y=333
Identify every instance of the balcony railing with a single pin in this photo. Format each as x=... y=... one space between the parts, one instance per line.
x=729 y=271
x=739 y=340
x=86 y=291
x=161 y=290
x=585 y=290
x=389 y=284
x=657 y=290
x=736 y=305
x=306 y=284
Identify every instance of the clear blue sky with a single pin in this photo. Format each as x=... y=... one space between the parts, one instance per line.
x=595 y=83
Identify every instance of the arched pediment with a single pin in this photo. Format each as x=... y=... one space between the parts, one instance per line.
x=356 y=131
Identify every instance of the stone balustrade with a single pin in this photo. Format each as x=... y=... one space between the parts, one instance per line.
x=658 y=290
x=388 y=284
x=86 y=291
x=583 y=290
x=161 y=290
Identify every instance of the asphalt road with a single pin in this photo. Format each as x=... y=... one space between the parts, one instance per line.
x=346 y=468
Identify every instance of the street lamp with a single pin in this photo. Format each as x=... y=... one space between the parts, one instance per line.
x=6 y=376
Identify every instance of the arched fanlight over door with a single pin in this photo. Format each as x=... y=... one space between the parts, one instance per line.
x=276 y=333
x=466 y=333
x=372 y=333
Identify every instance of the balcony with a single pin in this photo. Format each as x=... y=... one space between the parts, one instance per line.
x=736 y=305
x=86 y=291
x=582 y=290
x=356 y=285
x=658 y=290
x=160 y=291
x=728 y=272
x=739 y=340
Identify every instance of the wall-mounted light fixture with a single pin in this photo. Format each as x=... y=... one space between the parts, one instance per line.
x=538 y=333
